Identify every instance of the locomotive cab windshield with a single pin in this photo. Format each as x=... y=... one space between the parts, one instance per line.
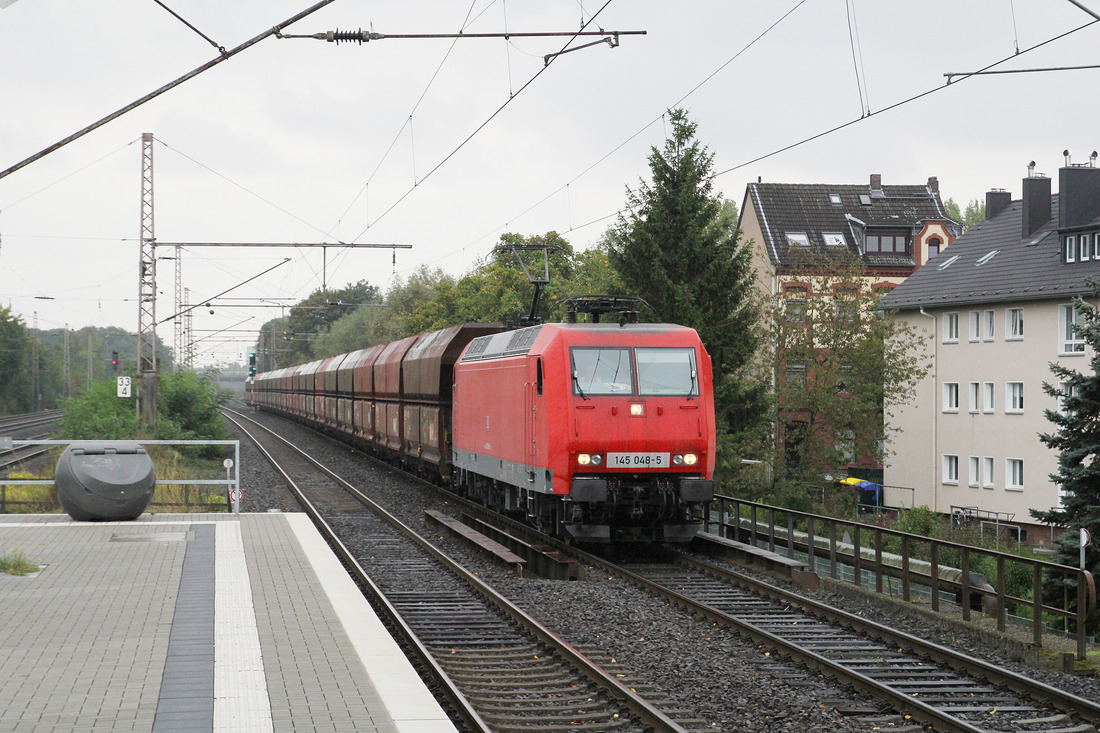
x=661 y=371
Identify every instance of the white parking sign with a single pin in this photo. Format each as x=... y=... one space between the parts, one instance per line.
x=123 y=386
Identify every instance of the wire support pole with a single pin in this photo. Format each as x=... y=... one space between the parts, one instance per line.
x=275 y=31
x=361 y=36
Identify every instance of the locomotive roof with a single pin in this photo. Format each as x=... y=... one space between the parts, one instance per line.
x=522 y=341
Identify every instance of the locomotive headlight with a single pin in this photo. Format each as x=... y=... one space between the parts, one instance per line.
x=597 y=459
x=637 y=409
x=589 y=459
x=685 y=459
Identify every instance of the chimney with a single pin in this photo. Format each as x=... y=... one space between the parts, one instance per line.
x=1036 y=199
x=876 y=185
x=934 y=185
x=996 y=201
x=1078 y=195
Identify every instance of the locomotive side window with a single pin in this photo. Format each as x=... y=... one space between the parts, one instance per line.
x=668 y=371
x=601 y=371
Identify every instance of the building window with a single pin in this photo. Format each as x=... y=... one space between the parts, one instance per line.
x=934 y=246
x=951 y=328
x=988 y=397
x=1014 y=324
x=987 y=472
x=1085 y=247
x=1069 y=341
x=796 y=305
x=975 y=396
x=1014 y=474
x=796 y=374
x=888 y=242
x=950 y=396
x=1069 y=248
x=1014 y=397
x=990 y=321
x=1065 y=392
x=798 y=239
x=950 y=469
x=834 y=199
x=975 y=325
x=1096 y=247
x=833 y=239
x=972 y=477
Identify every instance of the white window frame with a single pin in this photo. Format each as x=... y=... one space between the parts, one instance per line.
x=1014 y=398
x=989 y=328
x=798 y=239
x=950 y=396
x=988 y=464
x=989 y=397
x=1069 y=344
x=1014 y=474
x=975 y=326
x=975 y=396
x=973 y=474
x=1084 y=244
x=1069 y=248
x=1096 y=247
x=1014 y=324
x=951 y=328
x=1063 y=386
x=950 y=469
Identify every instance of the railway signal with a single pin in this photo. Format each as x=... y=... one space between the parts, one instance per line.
x=114 y=360
x=252 y=364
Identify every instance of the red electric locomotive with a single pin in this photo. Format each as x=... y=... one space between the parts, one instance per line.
x=593 y=432
x=596 y=432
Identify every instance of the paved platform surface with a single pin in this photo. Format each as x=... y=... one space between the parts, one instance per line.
x=195 y=622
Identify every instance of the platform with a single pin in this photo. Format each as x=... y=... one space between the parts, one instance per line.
x=195 y=622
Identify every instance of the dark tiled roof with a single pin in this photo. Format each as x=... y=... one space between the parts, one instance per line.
x=1028 y=268
x=806 y=207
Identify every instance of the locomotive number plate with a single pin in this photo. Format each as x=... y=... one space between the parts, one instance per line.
x=638 y=460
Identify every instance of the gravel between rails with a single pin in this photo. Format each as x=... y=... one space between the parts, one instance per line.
x=726 y=679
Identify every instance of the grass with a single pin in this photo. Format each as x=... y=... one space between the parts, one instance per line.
x=15 y=563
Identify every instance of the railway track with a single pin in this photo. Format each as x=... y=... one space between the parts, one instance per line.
x=927 y=684
x=31 y=426
x=935 y=685
x=496 y=666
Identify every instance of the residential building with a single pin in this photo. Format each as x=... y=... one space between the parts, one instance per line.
x=892 y=229
x=995 y=311
x=802 y=234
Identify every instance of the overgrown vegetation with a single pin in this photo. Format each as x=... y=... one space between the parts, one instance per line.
x=14 y=562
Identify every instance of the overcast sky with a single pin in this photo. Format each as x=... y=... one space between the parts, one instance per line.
x=298 y=140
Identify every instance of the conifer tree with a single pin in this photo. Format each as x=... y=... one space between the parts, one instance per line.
x=1077 y=440
x=680 y=250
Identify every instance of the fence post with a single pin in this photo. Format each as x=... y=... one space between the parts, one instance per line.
x=965 y=582
x=1081 y=614
x=1001 y=601
x=771 y=529
x=790 y=535
x=934 y=573
x=878 y=559
x=1037 y=604
x=905 y=568
x=832 y=549
x=857 y=555
x=810 y=544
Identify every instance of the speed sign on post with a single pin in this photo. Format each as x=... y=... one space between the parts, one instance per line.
x=123 y=386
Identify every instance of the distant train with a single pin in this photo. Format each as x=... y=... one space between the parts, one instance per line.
x=594 y=432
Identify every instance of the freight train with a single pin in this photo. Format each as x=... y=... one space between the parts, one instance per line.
x=593 y=432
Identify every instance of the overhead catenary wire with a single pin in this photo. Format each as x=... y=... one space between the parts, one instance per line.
x=483 y=125
x=171 y=85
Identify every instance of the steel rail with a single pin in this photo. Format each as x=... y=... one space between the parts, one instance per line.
x=449 y=690
x=1032 y=688
x=638 y=705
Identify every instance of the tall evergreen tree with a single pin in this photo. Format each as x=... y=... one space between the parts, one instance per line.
x=679 y=248
x=1077 y=440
